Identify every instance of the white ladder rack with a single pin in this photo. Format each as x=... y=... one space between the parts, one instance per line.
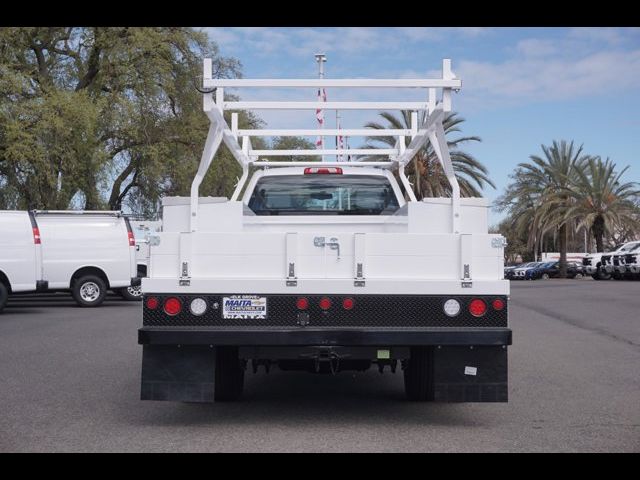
x=238 y=141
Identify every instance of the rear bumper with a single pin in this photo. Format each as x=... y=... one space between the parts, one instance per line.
x=325 y=336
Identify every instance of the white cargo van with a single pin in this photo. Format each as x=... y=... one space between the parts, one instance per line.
x=141 y=230
x=20 y=254
x=87 y=252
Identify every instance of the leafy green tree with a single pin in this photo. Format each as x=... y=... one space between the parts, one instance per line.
x=425 y=171
x=601 y=202
x=539 y=195
x=106 y=113
x=293 y=143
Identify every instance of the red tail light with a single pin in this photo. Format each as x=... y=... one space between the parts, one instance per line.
x=152 y=303
x=498 y=304
x=325 y=303
x=302 y=303
x=348 y=303
x=477 y=307
x=36 y=235
x=172 y=306
x=323 y=170
x=132 y=239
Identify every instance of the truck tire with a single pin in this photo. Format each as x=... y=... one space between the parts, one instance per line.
x=418 y=375
x=4 y=295
x=131 y=294
x=229 y=375
x=89 y=291
x=601 y=275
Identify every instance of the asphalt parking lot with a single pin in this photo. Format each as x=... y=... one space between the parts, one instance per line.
x=69 y=381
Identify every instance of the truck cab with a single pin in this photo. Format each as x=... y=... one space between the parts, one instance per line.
x=325 y=267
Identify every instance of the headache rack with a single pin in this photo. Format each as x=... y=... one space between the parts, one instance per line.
x=238 y=141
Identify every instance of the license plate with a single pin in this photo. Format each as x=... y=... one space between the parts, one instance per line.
x=244 y=307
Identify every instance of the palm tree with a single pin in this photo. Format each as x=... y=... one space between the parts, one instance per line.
x=541 y=192
x=425 y=171
x=601 y=202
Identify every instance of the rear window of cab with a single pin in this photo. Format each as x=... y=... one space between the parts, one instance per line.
x=323 y=195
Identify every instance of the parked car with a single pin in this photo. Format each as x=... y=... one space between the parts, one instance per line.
x=519 y=273
x=20 y=254
x=552 y=270
x=87 y=252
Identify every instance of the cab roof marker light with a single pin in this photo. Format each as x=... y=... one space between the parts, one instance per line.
x=323 y=170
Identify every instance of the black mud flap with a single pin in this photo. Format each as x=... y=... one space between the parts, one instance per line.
x=179 y=374
x=470 y=374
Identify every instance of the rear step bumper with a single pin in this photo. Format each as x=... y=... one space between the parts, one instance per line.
x=336 y=336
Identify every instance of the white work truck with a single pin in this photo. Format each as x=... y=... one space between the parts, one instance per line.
x=326 y=266
x=20 y=254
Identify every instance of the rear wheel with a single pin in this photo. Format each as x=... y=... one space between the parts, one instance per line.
x=229 y=375
x=4 y=295
x=418 y=375
x=545 y=276
x=133 y=294
x=89 y=291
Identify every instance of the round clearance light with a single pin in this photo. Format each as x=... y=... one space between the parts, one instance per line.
x=325 y=303
x=498 y=304
x=172 y=306
x=152 y=303
x=302 y=303
x=451 y=307
x=477 y=307
x=348 y=303
x=198 y=306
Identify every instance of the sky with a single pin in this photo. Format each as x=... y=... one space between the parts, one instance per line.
x=521 y=87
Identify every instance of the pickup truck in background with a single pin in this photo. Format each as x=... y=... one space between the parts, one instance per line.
x=600 y=265
x=625 y=263
x=325 y=267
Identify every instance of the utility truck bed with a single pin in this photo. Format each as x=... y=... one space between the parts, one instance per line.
x=325 y=267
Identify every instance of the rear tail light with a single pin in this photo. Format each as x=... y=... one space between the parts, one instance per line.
x=323 y=170
x=132 y=239
x=477 y=307
x=498 y=304
x=152 y=303
x=36 y=235
x=302 y=303
x=325 y=303
x=172 y=306
x=348 y=303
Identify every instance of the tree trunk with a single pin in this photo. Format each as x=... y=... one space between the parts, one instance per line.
x=562 y=234
x=598 y=233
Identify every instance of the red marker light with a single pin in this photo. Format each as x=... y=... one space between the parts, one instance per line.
x=348 y=303
x=36 y=235
x=477 y=307
x=132 y=239
x=325 y=303
x=302 y=303
x=498 y=304
x=172 y=306
x=152 y=303
x=323 y=170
